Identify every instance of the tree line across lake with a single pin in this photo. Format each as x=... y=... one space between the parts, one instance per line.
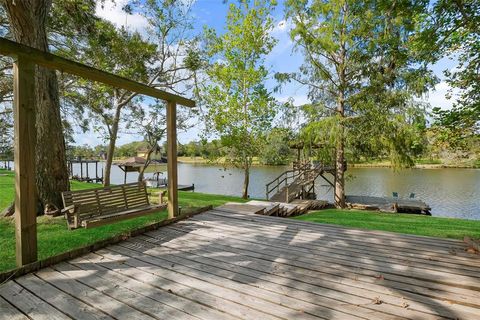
x=366 y=67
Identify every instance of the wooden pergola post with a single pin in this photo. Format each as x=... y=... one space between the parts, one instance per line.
x=25 y=140
x=172 y=159
x=25 y=135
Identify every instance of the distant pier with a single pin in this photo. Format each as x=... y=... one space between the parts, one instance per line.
x=6 y=164
x=84 y=174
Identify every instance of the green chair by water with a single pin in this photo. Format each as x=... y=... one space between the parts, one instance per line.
x=395 y=194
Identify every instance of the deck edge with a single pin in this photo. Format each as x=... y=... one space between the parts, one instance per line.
x=40 y=264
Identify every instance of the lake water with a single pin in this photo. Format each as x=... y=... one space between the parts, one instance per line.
x=449 y=192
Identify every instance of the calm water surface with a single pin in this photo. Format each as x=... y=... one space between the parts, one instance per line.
x=450 y=192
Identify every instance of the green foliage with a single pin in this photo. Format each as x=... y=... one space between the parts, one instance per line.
x=456 y=132
x=84 y=152
x=401 y=223
x=362 y=76
x=452 y=28
x=130 y=149
x=240 y=108
x=121 y=52
x=206 y=149
x=460 y=126
x=276 y=150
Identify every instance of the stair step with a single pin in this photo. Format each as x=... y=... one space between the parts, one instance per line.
x=271 y=208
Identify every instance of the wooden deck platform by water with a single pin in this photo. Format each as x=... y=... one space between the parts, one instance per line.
x=226 y=265
x=388 y=204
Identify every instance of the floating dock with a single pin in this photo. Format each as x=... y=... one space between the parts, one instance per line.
x=388 y=204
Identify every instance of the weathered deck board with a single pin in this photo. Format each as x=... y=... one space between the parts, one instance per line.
x=357 y=245
x=302 y=272
x=296 y=287
x=385 y=253
x=230 y=265
x=302 y=290
x=7 y=311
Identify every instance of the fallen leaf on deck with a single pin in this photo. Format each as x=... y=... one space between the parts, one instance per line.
x=377 y=300
x=379 y=277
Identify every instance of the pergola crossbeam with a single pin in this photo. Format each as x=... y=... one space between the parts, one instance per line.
x=25 y=135
x=51 y=61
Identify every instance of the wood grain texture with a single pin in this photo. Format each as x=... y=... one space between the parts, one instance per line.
x=226 y=265
x=25 y=141
x=172 y=170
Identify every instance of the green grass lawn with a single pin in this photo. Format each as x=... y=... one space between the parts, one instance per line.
x=7 y=180
x=402 y=223
x=54 y=236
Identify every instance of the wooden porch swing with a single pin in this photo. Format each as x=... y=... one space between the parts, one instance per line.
x=26 y=58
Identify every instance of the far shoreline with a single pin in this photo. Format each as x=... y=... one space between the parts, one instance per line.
x=200 y=160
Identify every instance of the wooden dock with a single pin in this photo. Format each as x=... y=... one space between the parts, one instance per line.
x=388 y=204
x=227 y=265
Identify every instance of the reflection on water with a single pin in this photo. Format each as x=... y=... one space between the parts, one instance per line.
x=450 y=192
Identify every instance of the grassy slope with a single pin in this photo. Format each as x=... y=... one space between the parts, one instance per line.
x=55 y=238
x=402 y=223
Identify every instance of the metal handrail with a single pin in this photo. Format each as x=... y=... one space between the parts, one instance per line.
x=294 y=174
x=288 y=171
x=284 y=177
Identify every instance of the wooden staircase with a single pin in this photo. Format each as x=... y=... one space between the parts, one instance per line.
x=297 y=183
x=278 y=209
x=291 y=193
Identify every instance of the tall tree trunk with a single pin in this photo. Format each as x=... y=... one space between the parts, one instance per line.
x=246 y=180
x=111 y=147
x=340 y=158
x=340 y=145
x=340 y=176
x=28 y=23
x=147 y=162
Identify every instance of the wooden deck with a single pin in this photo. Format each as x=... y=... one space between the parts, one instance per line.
x=221 y=265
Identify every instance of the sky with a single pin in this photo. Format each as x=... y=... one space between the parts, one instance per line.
x=283 y=58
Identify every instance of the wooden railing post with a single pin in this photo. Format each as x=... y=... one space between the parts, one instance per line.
x=172 y=159
x=25 y=140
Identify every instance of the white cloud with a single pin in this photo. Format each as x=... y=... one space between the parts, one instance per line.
x=280 y=32
x=112 y=11
x=439 y=96
x=280 y=27
x=297 y=100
